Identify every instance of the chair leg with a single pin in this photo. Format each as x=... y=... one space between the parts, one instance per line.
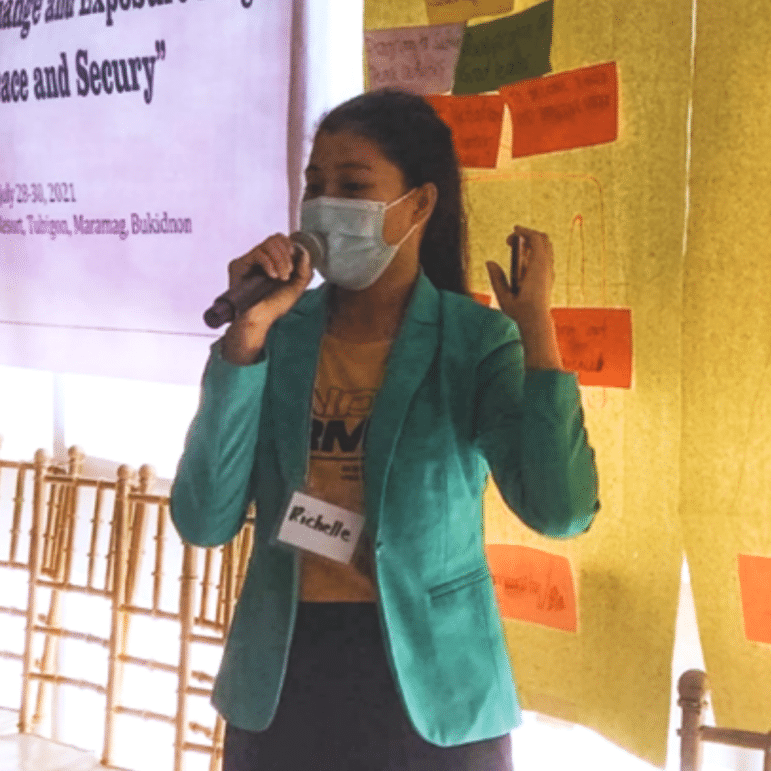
x=38 y=504
x=187 y=613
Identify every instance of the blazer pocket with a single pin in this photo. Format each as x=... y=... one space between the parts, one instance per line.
x=461 y=582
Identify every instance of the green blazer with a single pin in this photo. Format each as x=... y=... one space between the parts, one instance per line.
x=455 y=403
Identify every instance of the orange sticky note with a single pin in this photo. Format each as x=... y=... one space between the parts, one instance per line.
x=482 y=298
x=597 y=344
x=476 y=123
x=755 y=582
x=571 y=109
x=533 y=585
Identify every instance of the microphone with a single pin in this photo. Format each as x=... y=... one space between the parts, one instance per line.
x=256 y=284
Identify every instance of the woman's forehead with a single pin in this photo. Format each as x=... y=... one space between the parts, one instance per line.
x=332 y=150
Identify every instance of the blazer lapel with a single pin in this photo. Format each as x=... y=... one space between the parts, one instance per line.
x=294 y=358
x=412 y=354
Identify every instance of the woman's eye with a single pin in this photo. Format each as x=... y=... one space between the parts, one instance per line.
x=354 y=187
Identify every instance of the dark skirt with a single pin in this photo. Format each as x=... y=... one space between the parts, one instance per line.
x=340 y=711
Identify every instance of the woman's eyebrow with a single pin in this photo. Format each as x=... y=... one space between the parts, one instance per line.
x=354 y=165
x=346 y=165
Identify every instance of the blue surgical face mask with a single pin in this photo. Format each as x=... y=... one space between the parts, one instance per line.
x=356 y=254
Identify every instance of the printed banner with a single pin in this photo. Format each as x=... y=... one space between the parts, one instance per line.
x=141 y=153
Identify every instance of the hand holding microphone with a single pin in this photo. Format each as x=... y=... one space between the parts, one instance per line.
x=264 y=284
x=260 y=273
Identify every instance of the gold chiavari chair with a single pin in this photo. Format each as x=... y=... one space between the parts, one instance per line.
x=76 y=545
x=693 y=689
x=147 y=611
x=207 y=610
x=54 y=571
x=162 y=589
x=16 y=479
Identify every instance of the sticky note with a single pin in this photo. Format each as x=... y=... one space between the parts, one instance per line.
x=533 y=585
x=417 y=59
x=755 y=583
x=597 y=344
x=476 y=123
x=505 y=50
x=571 y=109
x=440 y=11
x=482 y=298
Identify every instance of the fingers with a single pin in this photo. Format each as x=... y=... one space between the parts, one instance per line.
x=303 y=272
x=535 y=240
x=537 y=254
x=498 y=281
x=274 y=255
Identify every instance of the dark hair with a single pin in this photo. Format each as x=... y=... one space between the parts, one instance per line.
x=412 y=136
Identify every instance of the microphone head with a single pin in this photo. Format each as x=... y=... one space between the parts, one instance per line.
x=311 y=242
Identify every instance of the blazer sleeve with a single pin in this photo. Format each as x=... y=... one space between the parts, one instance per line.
x=211 y=489
x=530 y=428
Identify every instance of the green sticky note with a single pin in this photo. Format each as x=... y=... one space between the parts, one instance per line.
x=505 y=51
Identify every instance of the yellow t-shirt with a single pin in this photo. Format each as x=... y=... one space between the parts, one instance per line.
x=347 y=380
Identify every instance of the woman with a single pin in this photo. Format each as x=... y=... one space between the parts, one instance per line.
x=390 y=394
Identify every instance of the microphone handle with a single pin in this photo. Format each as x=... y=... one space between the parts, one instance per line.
x=248 y=292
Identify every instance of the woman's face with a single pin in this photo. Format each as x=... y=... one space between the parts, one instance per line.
x=346 y=165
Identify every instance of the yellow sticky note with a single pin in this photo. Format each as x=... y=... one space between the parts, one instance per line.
x=442 y=11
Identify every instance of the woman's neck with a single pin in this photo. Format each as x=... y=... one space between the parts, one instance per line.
x=372 y=314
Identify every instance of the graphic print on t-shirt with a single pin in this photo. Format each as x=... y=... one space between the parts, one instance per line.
x=339 y=428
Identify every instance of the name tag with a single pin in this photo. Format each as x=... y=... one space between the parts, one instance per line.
x=320 y=527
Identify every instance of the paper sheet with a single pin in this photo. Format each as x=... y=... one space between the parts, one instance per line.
x=505 y=50
x=726 y=490
x=460 y=10
x=596 y=343
x=417 y=59
x=615 y=214
x=533 y=585
x=755 y=587
x=476 y=122
x=565 y=110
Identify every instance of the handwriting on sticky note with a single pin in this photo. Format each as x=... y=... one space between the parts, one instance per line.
x=560 y=112
x=505 y=50
x=440 y=11
x=476 y=123
x=417 y=59
x=533 y=585
x=755 y=583
x=597 y=344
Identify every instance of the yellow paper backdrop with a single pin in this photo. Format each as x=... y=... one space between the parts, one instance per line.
x=726 y=469
x=613 y=675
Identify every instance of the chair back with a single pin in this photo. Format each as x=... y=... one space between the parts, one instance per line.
x=75 y=546
x=693 y=689
x=163 y=587
x=16 y=483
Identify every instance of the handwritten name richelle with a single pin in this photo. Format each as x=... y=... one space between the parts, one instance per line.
x=334 y=529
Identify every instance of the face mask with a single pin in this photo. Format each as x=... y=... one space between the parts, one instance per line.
x=356 y=254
